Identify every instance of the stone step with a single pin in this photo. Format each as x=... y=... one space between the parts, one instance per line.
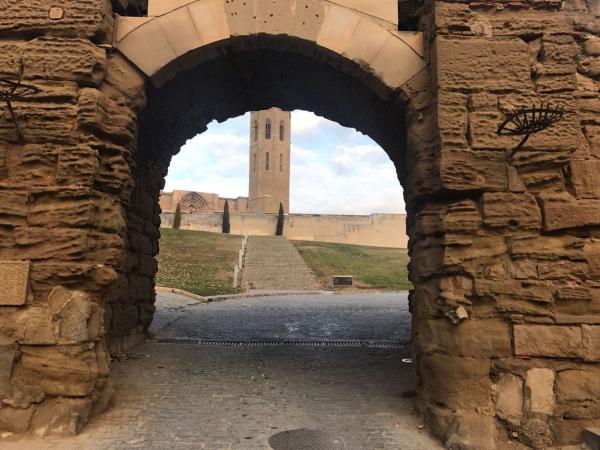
x=273 y=263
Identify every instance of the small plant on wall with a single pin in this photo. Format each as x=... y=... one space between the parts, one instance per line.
x=280 y=221
x=226 y=223
x=177 y=218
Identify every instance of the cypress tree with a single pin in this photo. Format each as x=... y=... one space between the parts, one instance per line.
x=280 y=221
x=226 y=223
x=177 y=218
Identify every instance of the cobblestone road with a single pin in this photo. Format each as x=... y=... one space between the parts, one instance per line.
x=174 y=396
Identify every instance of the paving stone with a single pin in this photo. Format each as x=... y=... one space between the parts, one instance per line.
x=173 y=396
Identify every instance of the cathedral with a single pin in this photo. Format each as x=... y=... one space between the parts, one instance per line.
x=269 y=172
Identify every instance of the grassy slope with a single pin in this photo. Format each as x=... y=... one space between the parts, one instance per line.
x=198 y=262
x=372 y=267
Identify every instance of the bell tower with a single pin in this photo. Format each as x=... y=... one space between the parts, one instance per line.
x=270 y=144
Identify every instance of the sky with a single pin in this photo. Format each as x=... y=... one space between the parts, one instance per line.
x=335 y=170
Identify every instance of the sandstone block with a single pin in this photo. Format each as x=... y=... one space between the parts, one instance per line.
x=15 y=282
x=498 y=59
x=31 y=165
x=562 y=270
x=562 y=211
x=61 y=417
x=578 y=392
x=7 y=357
x=16 y=420
x=463 y=170
x=537 y=433
x=548 y=341
x=69 y=370
x=584 y=177
x=458 y=383
x=550 y=248
x=275 y=17
x=81 y=19
x=80 y=60
x=456 y=217
x=34 y=326
x=509 y=398
x=308 y=19
x=110 y=116
x=472 y=338
x=472 y=432
x=337 y=29
x=515 y=211
x=592 y=256
x=39 y=243
x=539 y=391
x=79 y=319
x=523 y=290
x=13 y=207
x=591 y=342
x=77 y=165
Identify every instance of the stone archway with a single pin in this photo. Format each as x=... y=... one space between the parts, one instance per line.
x=504 y=258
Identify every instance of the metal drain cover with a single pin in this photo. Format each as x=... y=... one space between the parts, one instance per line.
x=306 y=440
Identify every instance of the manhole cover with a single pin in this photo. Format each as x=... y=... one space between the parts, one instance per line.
x=306 y=440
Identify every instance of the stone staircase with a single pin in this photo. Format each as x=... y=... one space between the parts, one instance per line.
x=272 y=263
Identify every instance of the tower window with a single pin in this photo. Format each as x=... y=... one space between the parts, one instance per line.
x=281 y=162
x=255 y=130
x=268 y=129
x=281 y=131
x=267 y=161
x=255 y=162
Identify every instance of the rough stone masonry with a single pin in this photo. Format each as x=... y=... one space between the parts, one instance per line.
x=505 y=259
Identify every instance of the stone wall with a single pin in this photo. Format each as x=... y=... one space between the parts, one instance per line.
x=377 y=230
x=504 y=257
x=506 y=306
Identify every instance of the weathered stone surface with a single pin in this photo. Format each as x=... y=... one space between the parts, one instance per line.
x=463 y=170
x=7 y=356
x=16 y=420
x=550 y=248
x=539 y=391
x=77 y=165
x=69 y=370
x=61 y=416
x=82 y=19
x=515 y=211
x=549 y=341
x=15 y=282
x=584 y=177
x=562 y=270
x=79 y=319
x=109 y=116
x=508 y=395
x=34 y=326
x=472 y=432
x=562 y=211
x=473 y=338
x=578 y=392
x=80 y=60
x=501 y=59
x=537 y=433
x=591 y=342
x=533 y=291
x=447 y=378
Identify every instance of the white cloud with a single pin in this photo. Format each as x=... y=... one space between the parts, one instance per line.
x=304 y=123
x=334 y=169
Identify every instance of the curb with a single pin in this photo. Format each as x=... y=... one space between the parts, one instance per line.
x=183 y=293
x=218 y=298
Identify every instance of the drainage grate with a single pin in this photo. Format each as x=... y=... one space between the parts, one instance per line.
x=350 y=344
x=306 y=440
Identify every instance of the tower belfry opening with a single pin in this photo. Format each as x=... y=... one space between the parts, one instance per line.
x=270 y=144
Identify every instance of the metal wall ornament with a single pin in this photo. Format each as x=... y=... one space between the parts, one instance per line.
x=10 y=91
x=527 y=121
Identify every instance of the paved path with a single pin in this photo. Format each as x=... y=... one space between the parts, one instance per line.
x=174 y=396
